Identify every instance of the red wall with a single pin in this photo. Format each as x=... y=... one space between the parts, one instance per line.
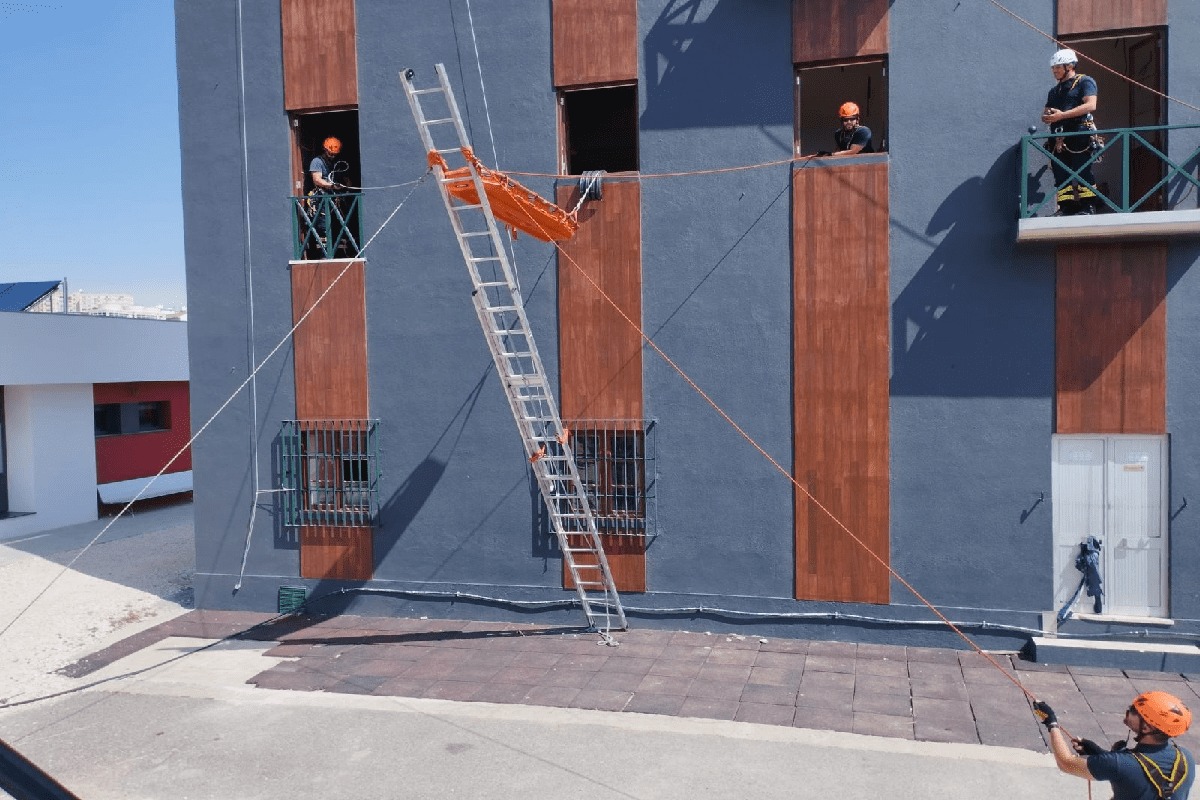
x=142 y=455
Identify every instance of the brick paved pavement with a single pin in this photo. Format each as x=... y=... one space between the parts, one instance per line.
x=927 y=694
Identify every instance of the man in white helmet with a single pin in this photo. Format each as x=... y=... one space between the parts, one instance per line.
x=1069 y=108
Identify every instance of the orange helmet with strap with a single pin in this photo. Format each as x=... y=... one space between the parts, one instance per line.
x=1164 y=711
x=333 y=145
x=848 y=110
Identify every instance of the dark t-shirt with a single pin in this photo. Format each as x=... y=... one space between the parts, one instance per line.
x=845 y=139
x=1069 y=94
x=1129 y=781
x=319 y=166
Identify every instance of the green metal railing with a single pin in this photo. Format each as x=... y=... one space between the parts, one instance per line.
x=329 y=471
x=1146 y=144
x=343 y=226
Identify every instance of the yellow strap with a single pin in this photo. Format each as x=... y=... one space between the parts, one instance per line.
x=1145 y=763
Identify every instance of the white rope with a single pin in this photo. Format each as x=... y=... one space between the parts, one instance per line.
x=253 y=356
x=512 y=250
x=215 y=414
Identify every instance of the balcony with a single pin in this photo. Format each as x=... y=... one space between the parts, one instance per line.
x=326 y=226
x=1142 y=191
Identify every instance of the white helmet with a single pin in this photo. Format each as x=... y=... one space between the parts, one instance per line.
x=1063 y=57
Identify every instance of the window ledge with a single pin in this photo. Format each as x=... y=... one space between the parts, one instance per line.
x=1125 y=619
x=1092 y=227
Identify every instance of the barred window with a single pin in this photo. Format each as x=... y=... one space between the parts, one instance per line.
x=331 y=471
x=615 y=459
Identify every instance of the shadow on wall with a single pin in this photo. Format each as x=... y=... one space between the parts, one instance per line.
x=955 y=329
x=684 y=89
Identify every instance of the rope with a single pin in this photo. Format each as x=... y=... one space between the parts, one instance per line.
x=1061 y=45
x=643 y=176
x=212 y=418
x=782 y=470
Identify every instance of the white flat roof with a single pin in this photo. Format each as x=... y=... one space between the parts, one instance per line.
x=78 y=348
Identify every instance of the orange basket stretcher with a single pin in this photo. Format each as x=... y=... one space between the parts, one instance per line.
x=516 y=206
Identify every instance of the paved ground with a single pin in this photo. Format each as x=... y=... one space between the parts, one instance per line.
x=923 y=694
x=138 y=697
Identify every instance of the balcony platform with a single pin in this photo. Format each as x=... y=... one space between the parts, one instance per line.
x=1094 y=227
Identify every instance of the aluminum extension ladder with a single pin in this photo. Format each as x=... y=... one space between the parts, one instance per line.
x=501 y=312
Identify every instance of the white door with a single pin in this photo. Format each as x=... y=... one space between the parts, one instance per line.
x=1113 y=488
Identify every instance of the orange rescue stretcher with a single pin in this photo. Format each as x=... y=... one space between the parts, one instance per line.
x=514 y=205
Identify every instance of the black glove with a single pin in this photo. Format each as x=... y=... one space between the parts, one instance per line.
x=1045 y=714
x=1088 y=748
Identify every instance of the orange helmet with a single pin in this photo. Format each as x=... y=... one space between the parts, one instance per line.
x=848 y=110
x=333 y=145
x=1165 y=712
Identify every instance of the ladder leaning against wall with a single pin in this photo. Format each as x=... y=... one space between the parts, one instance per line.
x=501 y=312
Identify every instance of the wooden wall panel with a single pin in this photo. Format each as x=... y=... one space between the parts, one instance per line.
x=595 y=41
x=328 y=553
x=824 y=30
x=600 y=354
x=840 y=269
x=331 y=346
x=1110 y=338
x=1087 y=16
x=320 y=60
x=330 y=355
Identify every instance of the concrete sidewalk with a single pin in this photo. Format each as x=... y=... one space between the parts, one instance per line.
x=922 y=694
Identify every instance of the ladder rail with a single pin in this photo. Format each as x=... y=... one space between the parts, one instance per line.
x=524 y=380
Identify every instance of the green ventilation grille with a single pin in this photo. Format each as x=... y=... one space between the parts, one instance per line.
x=291 y=598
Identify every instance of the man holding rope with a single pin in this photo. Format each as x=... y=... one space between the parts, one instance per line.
x=1155 y=769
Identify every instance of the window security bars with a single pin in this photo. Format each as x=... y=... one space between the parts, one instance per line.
x=326 y=226
x=1137 y=148
x=330 y=471
x=616 y=463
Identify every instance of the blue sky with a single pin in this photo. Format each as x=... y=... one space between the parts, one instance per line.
x=90 y=121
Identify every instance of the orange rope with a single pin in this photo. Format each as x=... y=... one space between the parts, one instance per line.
x=646 y=338
x=637 y=176
x=1061 y=45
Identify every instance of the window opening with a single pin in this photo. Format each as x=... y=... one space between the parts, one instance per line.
x=1123 y=104
x=117 y=419
x=330 y=469
x=326 y=224
x=616 y=463
x=154 y=416
x=821 y=91
x=600 y=129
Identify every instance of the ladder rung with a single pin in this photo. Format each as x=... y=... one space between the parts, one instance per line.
x=467 y=234
x=466 y=207
x=427 y=91
x=486 y=258
x=449 y=150
x=441 y=121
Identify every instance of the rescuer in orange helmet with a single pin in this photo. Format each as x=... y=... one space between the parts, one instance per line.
x=852 y=138
x=324 y=170
x=1155 y=767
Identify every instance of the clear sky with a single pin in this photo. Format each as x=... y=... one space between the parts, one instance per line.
x=90 y=122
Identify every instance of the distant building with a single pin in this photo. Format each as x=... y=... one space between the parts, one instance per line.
x=90 y=409
x=106 y=305
x=961 y=381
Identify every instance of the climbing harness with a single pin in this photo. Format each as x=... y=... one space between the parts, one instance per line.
x=1087 y=562
x=1165 y=785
